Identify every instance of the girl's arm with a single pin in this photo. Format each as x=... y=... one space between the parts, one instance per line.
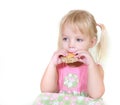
x=95 y=85
x=95 y=81
x=49 y=82
x=49 y=79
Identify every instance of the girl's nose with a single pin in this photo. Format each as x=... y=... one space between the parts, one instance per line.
x=71 y=44
x=72 y=47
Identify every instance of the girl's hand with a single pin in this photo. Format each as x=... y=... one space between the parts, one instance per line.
x=56 y=56
x=84 y=57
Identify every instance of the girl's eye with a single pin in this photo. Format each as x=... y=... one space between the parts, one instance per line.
x=79 y=40
x=65 y=39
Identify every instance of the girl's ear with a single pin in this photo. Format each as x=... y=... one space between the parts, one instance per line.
x=93 y=42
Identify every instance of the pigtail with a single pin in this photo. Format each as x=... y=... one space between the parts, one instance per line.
x=101 y=46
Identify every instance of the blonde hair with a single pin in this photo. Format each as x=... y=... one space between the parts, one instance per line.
x=85 y=22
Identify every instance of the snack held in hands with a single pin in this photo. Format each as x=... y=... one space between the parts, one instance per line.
x=70 y=58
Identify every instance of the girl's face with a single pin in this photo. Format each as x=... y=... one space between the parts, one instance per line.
x=74 y=40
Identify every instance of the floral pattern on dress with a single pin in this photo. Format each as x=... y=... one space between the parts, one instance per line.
x=66 y=99
x=71 y=80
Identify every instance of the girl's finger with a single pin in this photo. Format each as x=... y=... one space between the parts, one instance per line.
x=59 y=61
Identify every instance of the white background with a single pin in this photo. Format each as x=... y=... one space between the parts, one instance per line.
x=28 y=38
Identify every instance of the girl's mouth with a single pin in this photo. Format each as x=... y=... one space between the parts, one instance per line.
x=72 y=50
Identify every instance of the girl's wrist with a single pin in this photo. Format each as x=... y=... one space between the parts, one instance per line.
x=52 y=64
x=92 y=64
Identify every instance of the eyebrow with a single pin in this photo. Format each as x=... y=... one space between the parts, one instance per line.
x=64 y=35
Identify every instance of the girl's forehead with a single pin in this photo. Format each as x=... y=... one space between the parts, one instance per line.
x=73 y=33
x=71 y=27
x=74 y=28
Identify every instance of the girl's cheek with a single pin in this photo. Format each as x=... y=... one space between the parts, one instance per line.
x=64 y=46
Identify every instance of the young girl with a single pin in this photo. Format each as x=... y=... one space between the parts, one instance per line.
x=80 y=80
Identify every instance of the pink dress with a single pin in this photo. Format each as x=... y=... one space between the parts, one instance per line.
x=72 y=84
x=72 y=79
